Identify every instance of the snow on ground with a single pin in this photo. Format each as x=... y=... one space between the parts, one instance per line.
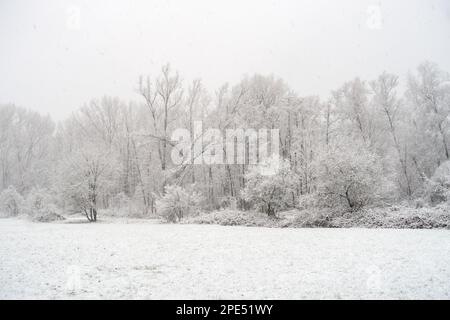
x=160 y=261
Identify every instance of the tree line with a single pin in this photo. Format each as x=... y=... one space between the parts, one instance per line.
x=368 y=143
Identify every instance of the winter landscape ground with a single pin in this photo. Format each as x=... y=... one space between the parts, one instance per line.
x=137 y=259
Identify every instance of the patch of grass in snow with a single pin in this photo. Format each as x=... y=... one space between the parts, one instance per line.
x=235 y=218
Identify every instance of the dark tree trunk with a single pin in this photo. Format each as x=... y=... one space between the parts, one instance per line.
x=270 y=211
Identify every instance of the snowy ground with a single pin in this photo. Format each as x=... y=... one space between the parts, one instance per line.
x=158 y=261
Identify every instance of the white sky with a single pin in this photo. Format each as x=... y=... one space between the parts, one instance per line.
x=53 y=63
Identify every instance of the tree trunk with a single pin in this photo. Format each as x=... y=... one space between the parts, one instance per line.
x=270 y=211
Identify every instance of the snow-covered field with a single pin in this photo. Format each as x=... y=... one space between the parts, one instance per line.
x=144 y=260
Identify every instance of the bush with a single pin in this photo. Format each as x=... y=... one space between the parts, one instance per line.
x=313 y=218
x=177 y=203
x=11 y=202
x=437 y=189
x=269 y=186
x=40 y=207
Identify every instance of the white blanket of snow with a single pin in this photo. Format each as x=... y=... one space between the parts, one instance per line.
x=159 y=261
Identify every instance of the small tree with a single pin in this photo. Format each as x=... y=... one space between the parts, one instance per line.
x=269 y=185
x=11 y=202
x=87 y=175
x=177 y=202
x=349 y=178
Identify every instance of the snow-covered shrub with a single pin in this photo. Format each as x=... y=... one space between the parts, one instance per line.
x=312 y=218
x=269 y=186
x=349 y=179
x=196 y=191
x=177 y=203
x=437 y=189
x=40 y=206
x=398 y=217
x=11 y=202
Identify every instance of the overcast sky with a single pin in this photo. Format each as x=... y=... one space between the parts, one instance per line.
x=56 y=55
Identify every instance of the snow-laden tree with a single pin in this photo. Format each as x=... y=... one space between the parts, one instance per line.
x=385 y=99
x=429 y=98
x=350 y=177
x=270 y=186
x=11 y=202
x=40 y=206
x=352 y=102
x=303 y=141
x=88 y=174
x=25 y=148
x=163 y=98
